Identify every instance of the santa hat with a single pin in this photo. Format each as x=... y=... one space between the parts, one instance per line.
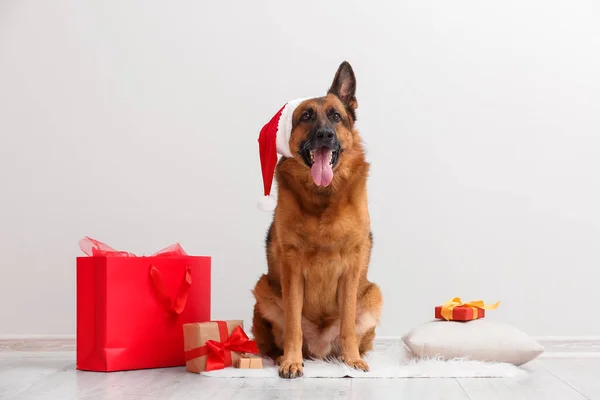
x=275 y=139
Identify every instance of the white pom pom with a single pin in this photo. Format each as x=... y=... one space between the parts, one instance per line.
x=267 y=203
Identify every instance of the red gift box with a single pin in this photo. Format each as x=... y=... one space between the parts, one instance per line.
x=461 y=313
x=131 y=310
x=457 y=310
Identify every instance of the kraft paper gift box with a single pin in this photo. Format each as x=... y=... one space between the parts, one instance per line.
x=249 y=362
x=215 y=345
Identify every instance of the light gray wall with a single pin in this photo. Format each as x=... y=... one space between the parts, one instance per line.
x=136 y=123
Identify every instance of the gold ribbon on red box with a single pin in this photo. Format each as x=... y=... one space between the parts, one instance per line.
x=450 y=305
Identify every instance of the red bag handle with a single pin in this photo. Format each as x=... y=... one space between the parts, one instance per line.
x=177 y=306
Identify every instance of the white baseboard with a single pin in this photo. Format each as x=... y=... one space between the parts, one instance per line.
x=35 y=337
x=570 y=346
x=37 y=343
x=556 y=346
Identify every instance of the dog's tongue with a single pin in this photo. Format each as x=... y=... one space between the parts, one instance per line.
x=322 y=173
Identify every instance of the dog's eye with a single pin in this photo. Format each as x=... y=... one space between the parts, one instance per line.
x=337 y=117
x=305 y=116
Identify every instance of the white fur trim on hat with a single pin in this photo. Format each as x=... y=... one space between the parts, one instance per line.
x=284 y=128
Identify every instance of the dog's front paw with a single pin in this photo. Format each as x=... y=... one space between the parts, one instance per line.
x=358 y=364
x=290 y=369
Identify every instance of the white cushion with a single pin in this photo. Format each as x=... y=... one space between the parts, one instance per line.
x=479 y=340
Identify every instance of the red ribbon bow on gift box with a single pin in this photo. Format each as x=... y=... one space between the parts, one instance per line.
x=219 y=352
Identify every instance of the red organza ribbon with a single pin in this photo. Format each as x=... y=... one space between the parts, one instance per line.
x=94 y=248
x=219 y=352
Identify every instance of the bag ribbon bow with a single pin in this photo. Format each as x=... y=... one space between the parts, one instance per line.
x=450 y=305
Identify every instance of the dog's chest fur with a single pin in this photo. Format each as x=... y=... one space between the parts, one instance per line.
x=330 y=242
x=333 y=232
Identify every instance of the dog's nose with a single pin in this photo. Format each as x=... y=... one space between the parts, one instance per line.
x=325 y=134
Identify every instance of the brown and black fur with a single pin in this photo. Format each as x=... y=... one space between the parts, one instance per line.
x=315 y=300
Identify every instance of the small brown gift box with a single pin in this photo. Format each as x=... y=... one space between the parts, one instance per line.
x=248 y=361
x=195 y=336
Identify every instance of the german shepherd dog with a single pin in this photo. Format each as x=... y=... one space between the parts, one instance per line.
x=315 y=300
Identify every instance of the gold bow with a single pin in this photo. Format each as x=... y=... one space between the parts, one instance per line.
x=457 y=302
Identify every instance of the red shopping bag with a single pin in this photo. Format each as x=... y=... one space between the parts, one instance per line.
x=131 y=310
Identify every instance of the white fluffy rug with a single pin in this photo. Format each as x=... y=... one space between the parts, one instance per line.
x=391 y=361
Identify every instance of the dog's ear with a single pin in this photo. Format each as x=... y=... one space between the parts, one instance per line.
x=344 y=85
